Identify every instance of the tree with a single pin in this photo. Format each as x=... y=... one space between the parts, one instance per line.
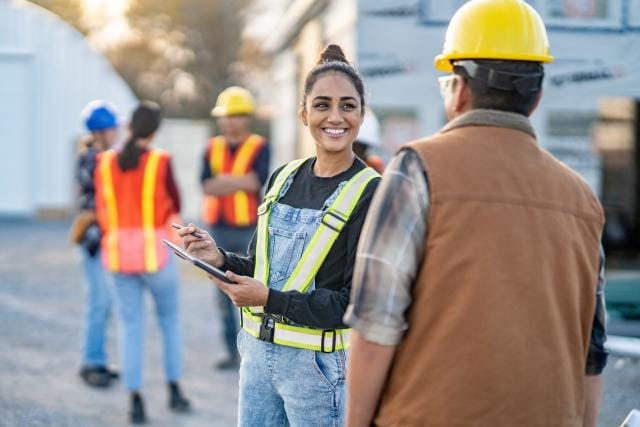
x=178 y=53
x=69 y=10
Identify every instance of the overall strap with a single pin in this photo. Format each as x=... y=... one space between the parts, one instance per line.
x=333 y=221
x=261 y=270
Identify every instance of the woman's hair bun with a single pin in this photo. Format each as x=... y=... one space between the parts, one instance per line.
x=332 y=53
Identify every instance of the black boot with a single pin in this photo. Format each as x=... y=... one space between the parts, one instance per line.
x=111 y=371
x=136 y=413
x=177 y=402
x=96 y=376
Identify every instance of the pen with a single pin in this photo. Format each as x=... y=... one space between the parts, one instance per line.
x=195 y=233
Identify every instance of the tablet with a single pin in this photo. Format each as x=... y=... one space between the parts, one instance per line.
x=216 y=272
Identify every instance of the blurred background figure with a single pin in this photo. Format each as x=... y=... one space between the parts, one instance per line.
x=369 y=139
x=100 y=119
x=136 y=195
x=235 y=166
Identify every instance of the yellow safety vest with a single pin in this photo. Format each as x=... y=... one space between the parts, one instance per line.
x=269 y=328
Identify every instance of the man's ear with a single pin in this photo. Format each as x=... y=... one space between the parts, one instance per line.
x=535 y=104
x=462 y=95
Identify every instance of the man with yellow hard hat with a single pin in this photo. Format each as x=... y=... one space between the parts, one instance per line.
x=477 y=294
x=235 y=167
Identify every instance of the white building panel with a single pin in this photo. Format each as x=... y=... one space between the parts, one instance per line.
x=16 y=182
x=64 y=75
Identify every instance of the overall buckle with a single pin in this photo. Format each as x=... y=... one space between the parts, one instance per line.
x=264 y=207
x=333 y=216
x=267 y=328
x=333 y=345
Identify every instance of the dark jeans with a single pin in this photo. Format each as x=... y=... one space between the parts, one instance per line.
x=235 y=240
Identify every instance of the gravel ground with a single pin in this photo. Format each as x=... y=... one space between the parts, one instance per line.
x=41 y=318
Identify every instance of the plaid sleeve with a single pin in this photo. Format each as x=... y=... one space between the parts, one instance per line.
x=597 y=356
x=389 y=252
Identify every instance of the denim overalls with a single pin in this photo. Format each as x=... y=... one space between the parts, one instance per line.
x=281 y=385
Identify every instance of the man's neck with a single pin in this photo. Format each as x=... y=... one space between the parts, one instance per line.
x=235 y=139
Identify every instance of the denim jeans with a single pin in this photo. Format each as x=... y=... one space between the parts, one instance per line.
x=164 y=288
x=97 y=309
x=281 y=385
x=287 y=386
x=232 y=239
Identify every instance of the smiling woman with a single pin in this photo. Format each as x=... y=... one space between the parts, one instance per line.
x=301 y=262
x=333 y=109
x=333 y=114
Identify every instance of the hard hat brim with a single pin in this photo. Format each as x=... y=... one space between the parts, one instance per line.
x=218 y=111
x=223 y=112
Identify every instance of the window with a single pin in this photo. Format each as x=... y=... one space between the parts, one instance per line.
x=584 y=14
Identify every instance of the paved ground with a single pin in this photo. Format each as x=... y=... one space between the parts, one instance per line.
x=41 y=306
x=41 y=312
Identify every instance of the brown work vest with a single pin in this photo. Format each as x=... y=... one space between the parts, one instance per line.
x=504 y=301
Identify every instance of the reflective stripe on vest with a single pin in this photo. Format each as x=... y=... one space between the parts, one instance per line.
x=112 y=209
x=239 y=208
x=334 y=219
x=148 y=211
x=261 y=269
x=148 y=194
x=332 y=223
x=325 y=340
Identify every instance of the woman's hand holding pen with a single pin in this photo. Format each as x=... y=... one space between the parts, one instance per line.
x=199 y=243
x=245 y=292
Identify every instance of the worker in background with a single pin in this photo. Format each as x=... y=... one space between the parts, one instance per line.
x=136 y=197
x=101 y=121
x=478 y=288
x=235 y=166
x=369 y=138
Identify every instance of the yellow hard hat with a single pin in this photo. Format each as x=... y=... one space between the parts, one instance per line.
x=234 y=100
x=494 y=29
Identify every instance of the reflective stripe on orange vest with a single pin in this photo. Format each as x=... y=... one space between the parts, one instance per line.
x=149 y=260
x=112 y=209
x=239 y=208
x=148 y=211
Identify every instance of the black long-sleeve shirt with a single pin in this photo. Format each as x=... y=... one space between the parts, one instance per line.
x=323 y=307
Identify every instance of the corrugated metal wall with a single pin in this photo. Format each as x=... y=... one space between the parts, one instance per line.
x=48 y=73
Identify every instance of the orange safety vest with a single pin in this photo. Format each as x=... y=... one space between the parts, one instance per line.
x=240 y=208
x=376 y=163
x=133 y=210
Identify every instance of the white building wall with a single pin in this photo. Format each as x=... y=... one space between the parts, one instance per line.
x=64 y=74
x=339 y=22
x=284 y=95
x=186 y=140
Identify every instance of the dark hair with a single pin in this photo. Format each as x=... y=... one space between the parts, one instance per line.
x=332 y=59
x=144 y=122
x=486 y=95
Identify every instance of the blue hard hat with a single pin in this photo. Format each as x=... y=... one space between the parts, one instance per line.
x=99 y=115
